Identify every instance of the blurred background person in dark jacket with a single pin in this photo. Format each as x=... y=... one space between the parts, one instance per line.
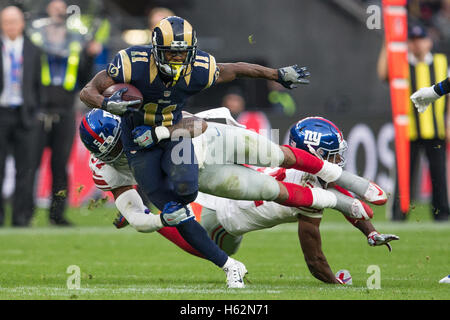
x=20 y=76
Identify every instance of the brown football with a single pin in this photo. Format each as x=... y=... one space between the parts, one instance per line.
x=131 y=94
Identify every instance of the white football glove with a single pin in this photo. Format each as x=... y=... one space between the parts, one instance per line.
x=377 y=239
x=115 y=105
x=422 y=98
x=290 y=76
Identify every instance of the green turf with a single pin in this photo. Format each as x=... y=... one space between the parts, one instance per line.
x=124 y=264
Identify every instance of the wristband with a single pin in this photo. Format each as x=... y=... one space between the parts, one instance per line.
x=104 y=104
x=443 y=87
x=162 y=132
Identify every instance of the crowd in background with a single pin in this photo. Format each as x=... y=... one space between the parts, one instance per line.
x=71 y=52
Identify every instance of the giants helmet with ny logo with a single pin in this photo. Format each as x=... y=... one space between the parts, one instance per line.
x=100 y=133
x=320 y=137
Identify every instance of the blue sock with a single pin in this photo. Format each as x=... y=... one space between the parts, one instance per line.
x=196 y=236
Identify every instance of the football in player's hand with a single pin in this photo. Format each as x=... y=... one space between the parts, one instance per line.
x=130 y=95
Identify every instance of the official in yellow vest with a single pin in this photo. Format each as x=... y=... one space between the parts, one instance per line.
x=429 y=130
x=67 y=63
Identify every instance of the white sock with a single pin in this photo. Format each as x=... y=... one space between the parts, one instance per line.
x=323 y=198
x=330 y=172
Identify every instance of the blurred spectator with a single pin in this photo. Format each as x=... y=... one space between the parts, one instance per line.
x=441 y=21
x=427 y=131
x=157 y=14
x=20 y=96
x=66 y=65
x=234 y=100
x=281 y=100
x=422 y=11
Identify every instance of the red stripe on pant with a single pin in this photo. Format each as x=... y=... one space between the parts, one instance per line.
x=172 y=234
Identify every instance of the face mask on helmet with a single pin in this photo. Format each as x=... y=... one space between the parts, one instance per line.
x=100 y=133
x=173 y=38
x=320 y=137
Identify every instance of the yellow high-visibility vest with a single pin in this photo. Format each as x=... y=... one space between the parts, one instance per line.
x=73 y=61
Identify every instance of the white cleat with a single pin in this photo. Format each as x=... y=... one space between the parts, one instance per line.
x=235 y=274
x=351 y=207
x=361 y=210
x=375 y=195
x=362 y=187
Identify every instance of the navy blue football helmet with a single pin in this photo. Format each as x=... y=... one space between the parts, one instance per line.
x=320 y=137
x=174 y=34
x=100 y=132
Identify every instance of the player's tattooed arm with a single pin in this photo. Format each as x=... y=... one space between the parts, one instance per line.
x=91 y=94
x=230 y=71
x=311 y=243
x=191 y=126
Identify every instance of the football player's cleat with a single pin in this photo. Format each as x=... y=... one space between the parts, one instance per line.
x=174 y=34
x=377 y=239
x=375 y=195
x=120 y=221
x=351 y=207
x=235 y=272
x=100 y=133
x=445 y=279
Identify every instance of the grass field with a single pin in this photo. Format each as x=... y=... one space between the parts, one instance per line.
x=125 y=264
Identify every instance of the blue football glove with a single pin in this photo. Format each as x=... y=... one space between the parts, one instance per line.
x=147 y=137
x=175 y=213
x=116 y=105
x=289 y=77
x=120 y=221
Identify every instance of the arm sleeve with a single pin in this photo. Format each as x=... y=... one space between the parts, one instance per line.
x=132 y=208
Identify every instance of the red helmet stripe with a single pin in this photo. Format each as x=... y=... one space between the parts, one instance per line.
x=331 y=123
x=92 y=132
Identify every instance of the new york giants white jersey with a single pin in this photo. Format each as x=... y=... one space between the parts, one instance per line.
x=111 y=176
x=239 y=217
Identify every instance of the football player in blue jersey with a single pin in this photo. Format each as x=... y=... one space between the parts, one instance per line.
x=167 y=72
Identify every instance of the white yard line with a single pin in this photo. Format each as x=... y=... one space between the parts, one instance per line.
x=331 y=226
x=58 y=291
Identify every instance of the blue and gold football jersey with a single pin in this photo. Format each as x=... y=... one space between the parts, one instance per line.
x=162 y=104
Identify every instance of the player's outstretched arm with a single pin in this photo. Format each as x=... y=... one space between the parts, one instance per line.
x=289 y=77
x=311 y=243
